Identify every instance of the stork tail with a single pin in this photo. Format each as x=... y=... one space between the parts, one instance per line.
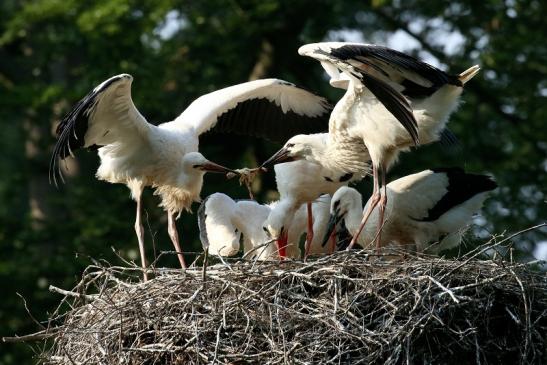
x=468 y=74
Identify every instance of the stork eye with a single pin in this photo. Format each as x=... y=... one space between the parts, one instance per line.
x=289 y=145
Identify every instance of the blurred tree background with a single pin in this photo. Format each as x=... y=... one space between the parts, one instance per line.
x=52 y=52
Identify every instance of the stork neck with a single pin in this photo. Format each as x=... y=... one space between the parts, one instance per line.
x=190 y=178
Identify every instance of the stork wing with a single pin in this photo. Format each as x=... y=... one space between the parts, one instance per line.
x=106 y=115
x=431 y=193
x=413 y=78
x=460 y=187
x=379 y=69
x=272 y=109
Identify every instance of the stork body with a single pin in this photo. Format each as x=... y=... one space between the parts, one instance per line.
x=427 y=210
x=393 y=101
x=138 y=154
x=299 y=184
x=221 y=221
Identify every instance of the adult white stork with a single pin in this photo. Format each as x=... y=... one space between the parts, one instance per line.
x=138 y=154
x=301 y=183
x=428 y=209
x=222 y=220
x=393 y=101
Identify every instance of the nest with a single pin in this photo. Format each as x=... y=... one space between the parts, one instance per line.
x=350 y=307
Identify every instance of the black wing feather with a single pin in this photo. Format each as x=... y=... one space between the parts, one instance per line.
x=400 y=61
x=461 y=187
x=72 y=129
x=259 y=118
x=448 y=138
x=396 y=103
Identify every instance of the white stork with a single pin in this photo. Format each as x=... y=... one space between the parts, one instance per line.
x=222 y=220
x=138 y=154
x=428 y=210
x=301 y=183
x=393 y=101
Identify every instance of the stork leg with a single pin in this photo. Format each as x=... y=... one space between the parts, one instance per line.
x=309 y=234
x=381 y=208
x=374 y=200
x=173 y=234
x=139 y=230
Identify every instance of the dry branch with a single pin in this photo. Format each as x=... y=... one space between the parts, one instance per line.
x=345 y=308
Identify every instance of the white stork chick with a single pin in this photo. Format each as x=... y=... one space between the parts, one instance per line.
x=138 y=154
x=427 y=210
x=221 y=220
x=393 y=101
x=301 y=183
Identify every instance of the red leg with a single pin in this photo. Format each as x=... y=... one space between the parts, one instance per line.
x=173 y=234
x=309 y=234
x=375 y=198
x=382 y=208
x=140 y=236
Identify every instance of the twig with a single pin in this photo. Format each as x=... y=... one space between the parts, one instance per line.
x=68 y=293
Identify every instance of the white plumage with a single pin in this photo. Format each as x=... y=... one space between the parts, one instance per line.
x=393 y=101
x=221 y=221
x=427 y=210
x=300 y=183
x=139 y=154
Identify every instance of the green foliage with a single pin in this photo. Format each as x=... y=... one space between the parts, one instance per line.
x=53 y=52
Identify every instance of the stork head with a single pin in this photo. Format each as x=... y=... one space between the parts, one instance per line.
x=344 y=200
x=299 y=147
x=274 y=226
x=278 y=220
x=195 y=161
x=218 y=232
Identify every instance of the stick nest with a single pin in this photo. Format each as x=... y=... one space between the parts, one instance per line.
x=352 y=307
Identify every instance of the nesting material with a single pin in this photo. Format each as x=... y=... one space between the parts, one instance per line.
x=352 y=307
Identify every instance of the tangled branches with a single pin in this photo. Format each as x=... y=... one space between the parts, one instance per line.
x=344 y=308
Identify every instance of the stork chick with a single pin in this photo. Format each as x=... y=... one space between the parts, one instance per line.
x=427 y=210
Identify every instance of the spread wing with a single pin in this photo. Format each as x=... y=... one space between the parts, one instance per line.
x=410 y=76
x=104 y=116
x=376 y=68
x=270 y=108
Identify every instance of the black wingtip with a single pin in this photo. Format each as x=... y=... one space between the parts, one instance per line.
x=394 y=102
x=448 y=138
x=461 y=187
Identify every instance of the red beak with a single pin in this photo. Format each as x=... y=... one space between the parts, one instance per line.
x=282 y=243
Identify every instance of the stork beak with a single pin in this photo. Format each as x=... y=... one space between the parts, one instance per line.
x=280 y=156
x=333 y=222
x=213 y=167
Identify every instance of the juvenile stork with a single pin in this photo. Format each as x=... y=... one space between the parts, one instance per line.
x=222 y=221
x=139 y=154
x=301 y=183
x=393 y=101
x=428 y=210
